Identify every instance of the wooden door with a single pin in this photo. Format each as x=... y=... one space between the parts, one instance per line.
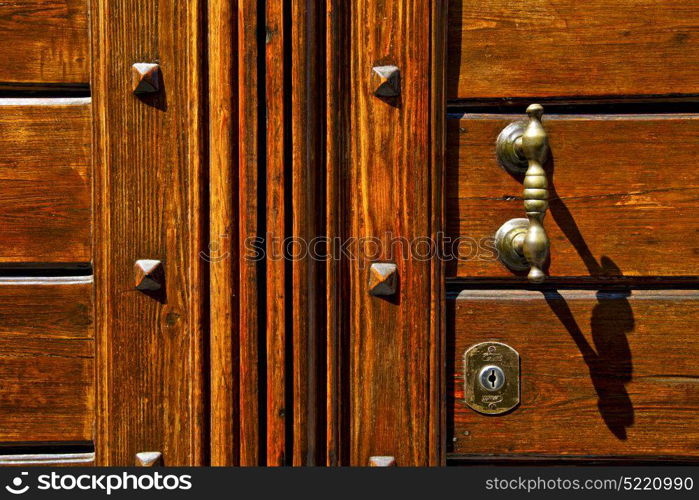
x=47 y=315
x=377 y=124
x=607 y=341
x=95 y=177
x=186 y=134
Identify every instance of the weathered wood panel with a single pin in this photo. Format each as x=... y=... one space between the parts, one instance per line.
x=538 y=48
x=223 y=234
x=44 y=42
x=47 y=354
x=149 y=190
x=393 y=189
x=277 y=333
x=624 y=195
x=250 y=202
x=336 y=216
x=45 y=180
x=602 y=373
x=307 y=303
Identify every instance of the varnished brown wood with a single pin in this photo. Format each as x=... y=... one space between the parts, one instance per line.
x=148 y=191
x=54 y=307
x=390 y=176
x=45 y=41
x=251 y=275
x=500 y=48
x=603 y=373
x=47 y=361
x=337 y=96
x=223 y=234
x=277 y=385
x=276 y=179
x=45 y=180
x=623 y=195
x=306 y=224
x=437 y=421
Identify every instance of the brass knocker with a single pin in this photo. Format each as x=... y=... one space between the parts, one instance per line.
x=523 y=243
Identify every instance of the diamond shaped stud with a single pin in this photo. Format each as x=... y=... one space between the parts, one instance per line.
x=382 y=461
x=383 y=279
x=148 y=458
x=145 y=78
x=386 y=81
x=149 y=275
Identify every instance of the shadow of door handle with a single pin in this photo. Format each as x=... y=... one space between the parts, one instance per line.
x=523 y=243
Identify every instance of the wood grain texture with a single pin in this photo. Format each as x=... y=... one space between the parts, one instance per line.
x=337 y=97
x=603 y=373
x=223 y=233
x=501 y=48
x=47 y=360
x=436 y=345
x=623 y=195
x=276 y=186
x=306 y=223
x=45 y=180
x=45 y=41
x=149 y=180
x=390 y=172
x=249 y=202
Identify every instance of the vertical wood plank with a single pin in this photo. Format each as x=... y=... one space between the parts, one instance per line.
x=223 y=234
x=251 y=273
x=276 y=334
x=148 y=185
x=337 y=124
x=437 y=423
x=392 y=172
x=306 y=225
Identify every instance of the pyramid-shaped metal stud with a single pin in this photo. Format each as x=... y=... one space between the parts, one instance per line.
x=382 y=461
x=149 y=458
x=386 y=81
x=148 y=275
x=383 y=279
x=145 y=78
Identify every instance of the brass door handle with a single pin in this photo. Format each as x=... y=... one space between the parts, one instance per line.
x=523 y=243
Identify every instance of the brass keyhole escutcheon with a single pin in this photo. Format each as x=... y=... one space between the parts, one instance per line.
x=491 y=378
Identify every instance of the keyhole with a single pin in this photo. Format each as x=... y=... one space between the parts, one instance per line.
x=492 y=378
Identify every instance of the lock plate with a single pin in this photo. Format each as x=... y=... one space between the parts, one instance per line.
x=491 y=378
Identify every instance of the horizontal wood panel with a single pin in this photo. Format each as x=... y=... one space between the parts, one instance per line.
x=606 y=374
x=624 y=194
x=46 y=360
x=501 y=48
x=44 y=41
x=45 y=180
